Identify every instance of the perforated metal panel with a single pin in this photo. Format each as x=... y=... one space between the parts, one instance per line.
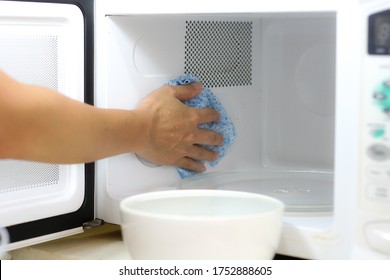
x=20 y=175
x=219 y=52
x=32 y=59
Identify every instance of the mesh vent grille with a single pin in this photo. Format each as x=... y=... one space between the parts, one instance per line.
x=32 y=59
x=19 y=175
x=219 y=52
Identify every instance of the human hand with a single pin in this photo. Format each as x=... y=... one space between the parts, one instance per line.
x=173 y=133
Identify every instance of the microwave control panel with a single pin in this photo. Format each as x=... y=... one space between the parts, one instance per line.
x=377 y=143
x=375 y=164
x=376 y=131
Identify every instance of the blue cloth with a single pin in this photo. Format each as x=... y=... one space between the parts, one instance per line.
x=225 y=127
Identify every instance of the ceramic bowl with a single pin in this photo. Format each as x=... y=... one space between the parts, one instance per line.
x=201 y=224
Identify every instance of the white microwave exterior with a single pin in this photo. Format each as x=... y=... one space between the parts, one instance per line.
x=336 y=236
x=329 y=236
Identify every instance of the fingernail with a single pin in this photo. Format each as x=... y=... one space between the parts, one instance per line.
x=197 y=86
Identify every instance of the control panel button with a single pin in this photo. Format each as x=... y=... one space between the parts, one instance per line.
x=382 y=96
x=379 y=192
x=378 y=236
x=379 y=96
x=378 y=133
x=378 y=152
x=378 y=173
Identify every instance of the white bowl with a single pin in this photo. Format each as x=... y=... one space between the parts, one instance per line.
x=201 y=224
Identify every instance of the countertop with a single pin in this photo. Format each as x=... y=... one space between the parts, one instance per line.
x=100 y=243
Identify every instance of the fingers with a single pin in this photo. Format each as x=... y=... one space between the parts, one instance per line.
x=194 y=156
x=186 y=92
x=189 y=91
x=190 y=164
x=207 y=115
x=186 y=152
x=208 y=137
x=192 y=161
x=199 y=153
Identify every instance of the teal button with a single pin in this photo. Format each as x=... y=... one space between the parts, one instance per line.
x=382 y=96
x=378 y=133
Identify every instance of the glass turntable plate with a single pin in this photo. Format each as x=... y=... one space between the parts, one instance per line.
x=308 y=192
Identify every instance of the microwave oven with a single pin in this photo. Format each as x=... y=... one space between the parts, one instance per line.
x=305 y=83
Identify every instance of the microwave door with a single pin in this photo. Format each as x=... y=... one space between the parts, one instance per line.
x=46 y=44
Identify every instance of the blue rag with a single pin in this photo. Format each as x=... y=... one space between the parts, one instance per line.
x=225 y=127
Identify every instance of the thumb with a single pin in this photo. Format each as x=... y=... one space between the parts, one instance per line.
x=187 y=92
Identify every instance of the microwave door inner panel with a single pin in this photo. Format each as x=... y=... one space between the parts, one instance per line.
x=41 y=44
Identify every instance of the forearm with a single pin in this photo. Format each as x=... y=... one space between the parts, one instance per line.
x=39 y=124
x=42 y=125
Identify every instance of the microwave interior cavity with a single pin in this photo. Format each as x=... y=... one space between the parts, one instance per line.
x=275 y=75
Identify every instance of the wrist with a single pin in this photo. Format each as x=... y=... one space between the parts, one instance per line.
x=140 y=136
